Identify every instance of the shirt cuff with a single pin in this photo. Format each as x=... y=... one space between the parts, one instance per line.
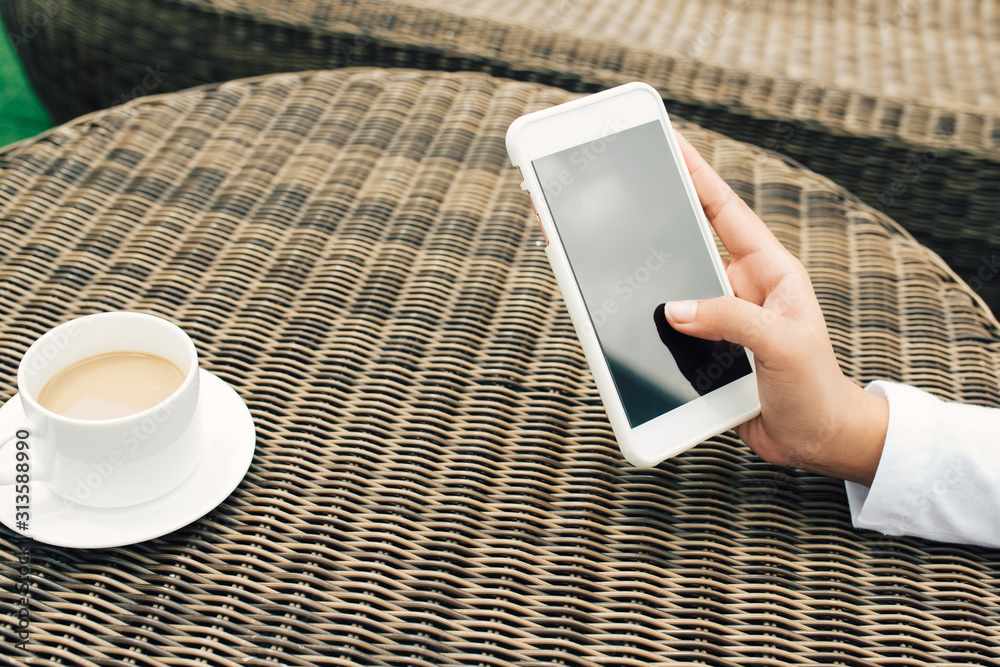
x=938 y=476
x=888 y=504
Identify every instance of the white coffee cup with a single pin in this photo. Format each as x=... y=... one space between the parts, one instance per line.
x=106 y=462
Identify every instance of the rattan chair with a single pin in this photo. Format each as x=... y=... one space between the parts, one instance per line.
x=896 y=101
x=435 y=481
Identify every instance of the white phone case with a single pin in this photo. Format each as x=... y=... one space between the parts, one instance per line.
x=588 y=121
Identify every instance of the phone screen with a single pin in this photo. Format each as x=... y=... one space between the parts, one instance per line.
x=634 y=243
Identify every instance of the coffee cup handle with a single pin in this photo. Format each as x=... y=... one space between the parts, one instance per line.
x=22 y=465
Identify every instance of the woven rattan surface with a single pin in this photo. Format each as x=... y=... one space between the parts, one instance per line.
x=435 y=482
x=894 y=99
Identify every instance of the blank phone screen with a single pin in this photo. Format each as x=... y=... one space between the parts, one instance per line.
x=634 y=243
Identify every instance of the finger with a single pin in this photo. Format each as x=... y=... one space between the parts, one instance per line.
x=740 y=229
x=729 y=318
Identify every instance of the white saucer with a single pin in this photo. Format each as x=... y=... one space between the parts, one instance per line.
x=225 y=459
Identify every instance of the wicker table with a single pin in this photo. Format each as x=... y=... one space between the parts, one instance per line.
x=435 y=482
x=896 y=100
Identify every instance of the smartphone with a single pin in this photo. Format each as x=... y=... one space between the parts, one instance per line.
x=625 y=233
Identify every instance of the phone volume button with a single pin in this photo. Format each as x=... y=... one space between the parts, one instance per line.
x=535 y=210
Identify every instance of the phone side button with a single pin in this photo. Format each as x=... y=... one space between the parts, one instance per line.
x=538 y=219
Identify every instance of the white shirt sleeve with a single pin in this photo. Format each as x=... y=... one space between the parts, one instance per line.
x=939 y=475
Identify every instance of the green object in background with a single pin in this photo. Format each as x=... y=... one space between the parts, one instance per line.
x=21 y=114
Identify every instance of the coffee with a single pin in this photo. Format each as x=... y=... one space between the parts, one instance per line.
x=111 y=385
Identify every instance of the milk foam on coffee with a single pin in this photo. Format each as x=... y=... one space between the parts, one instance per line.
x=111 y=385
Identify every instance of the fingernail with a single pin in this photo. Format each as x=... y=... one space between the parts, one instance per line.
x=682 y=312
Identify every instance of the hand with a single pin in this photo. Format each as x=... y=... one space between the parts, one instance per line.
x=812 y=416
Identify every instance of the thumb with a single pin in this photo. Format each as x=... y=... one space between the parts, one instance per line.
x=728 y=318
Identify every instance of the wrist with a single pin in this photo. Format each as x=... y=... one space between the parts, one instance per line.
x=872 y=425
x=856 y=450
